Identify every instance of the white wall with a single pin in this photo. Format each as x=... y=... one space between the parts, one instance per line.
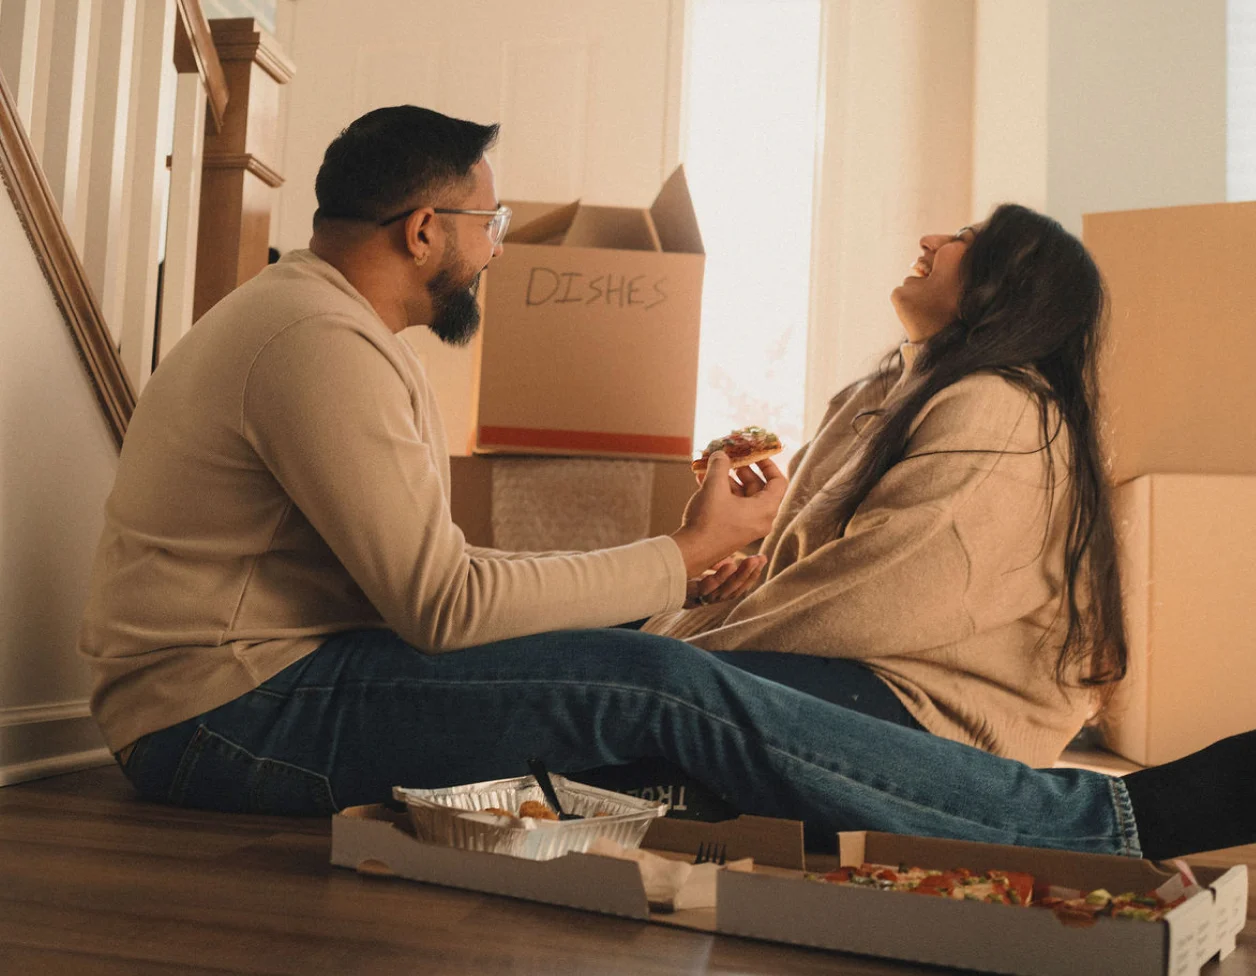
x=57 y=462
x=1241 y=100
x=1124 y=102
x=263 y=11
x=896 y=164
x=581 y=90
x=1010 y=104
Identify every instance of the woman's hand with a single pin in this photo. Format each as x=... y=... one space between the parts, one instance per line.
x=729 y=579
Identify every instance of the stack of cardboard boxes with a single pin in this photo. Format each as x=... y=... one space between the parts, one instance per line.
x=1178 y=380
x=589 y=349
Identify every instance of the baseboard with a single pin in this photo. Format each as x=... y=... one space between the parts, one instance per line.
x=53 y=712
x=47 y=740
x=54 y=766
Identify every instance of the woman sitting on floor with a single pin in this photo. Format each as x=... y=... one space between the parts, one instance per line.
x=944 y=557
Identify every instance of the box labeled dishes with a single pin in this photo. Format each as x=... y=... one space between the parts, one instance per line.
x=590 y=338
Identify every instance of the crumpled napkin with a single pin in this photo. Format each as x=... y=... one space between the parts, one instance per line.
x=670 y=885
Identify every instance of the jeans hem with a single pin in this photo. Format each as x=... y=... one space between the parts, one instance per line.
x=1127 y=827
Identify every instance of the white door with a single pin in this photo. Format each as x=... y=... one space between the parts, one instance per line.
x=588 y=95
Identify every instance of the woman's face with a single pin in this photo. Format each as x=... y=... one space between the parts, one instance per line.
x=928 y=298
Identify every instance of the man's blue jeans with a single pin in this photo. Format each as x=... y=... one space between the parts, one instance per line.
x=366 y=711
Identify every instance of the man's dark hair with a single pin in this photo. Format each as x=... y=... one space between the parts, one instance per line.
x=395 y=158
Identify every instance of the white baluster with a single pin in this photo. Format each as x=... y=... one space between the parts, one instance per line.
x=78 y=232
x=148 y=187
x=19 y=51
x=179 y=280
x=63 y=124
x=43 y=72
x=105 y=240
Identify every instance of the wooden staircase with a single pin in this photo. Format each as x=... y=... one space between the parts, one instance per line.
x=99 y=166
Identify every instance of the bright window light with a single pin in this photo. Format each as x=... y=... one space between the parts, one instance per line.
x=1241 y=100
x=753 y=77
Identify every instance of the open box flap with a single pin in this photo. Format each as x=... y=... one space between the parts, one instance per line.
x=674 y=218
x=669 y=225
x=540 y=223
x=766 y=839
x=616 y=228
x=1230 y=891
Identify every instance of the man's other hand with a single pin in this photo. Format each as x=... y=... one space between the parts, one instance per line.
x=729 y=579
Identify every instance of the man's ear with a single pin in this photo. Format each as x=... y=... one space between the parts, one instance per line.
x=420 y=228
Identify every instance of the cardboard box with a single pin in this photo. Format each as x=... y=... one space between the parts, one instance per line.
x=1188 y=562
x=590 y=336
x=1176 y=372
x=672 y=483
x=777 y=903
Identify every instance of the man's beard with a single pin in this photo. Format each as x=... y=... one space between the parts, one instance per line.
x=455 y=313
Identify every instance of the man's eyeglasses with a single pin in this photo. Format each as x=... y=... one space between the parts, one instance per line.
x=496 y=228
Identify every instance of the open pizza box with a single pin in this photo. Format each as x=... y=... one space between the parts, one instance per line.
x=775 y=902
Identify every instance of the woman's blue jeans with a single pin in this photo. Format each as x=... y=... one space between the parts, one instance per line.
x=366 y=711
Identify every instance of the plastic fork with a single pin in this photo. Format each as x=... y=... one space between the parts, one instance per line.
x=542 y=778
x=711 y=854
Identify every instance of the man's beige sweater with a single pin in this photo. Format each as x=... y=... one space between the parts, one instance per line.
x=285 y=477
x=945 y=580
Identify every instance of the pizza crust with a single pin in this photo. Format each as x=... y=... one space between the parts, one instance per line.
x=700 y=465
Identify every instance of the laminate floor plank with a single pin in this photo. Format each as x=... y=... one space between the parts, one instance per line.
x=66 y=830
x=62 y=963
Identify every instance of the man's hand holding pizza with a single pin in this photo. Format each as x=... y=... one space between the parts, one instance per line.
x=729 y=512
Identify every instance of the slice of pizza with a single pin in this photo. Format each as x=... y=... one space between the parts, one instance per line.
x=744 y=446
x=1071 y=906
x=1003 y=887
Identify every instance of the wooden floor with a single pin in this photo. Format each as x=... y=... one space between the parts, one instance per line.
x=94 y=881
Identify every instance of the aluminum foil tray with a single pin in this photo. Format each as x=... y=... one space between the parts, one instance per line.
x=451 y=816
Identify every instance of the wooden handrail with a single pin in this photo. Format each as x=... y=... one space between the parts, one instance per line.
x=194 y=51
x=239 y=178
x=41 y=218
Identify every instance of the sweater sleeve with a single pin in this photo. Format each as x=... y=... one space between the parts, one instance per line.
x=898 y=580
x=486 y=552
x=336 y=424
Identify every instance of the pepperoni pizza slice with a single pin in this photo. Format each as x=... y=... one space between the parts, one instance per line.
x=744 y=446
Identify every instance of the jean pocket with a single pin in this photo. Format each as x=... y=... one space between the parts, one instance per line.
x=216 y=774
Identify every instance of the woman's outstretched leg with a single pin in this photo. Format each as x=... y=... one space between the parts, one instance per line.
x=367 y=711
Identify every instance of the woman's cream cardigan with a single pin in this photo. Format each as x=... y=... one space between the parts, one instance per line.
x=948 y=581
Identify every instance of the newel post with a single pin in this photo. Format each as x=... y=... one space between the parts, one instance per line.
x=240 y=179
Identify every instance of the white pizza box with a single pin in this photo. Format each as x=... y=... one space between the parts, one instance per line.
x=986 y=937
x=777 y=903
x=377 y=841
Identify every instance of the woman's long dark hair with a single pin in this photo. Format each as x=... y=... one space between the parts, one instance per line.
x=1031 y=310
